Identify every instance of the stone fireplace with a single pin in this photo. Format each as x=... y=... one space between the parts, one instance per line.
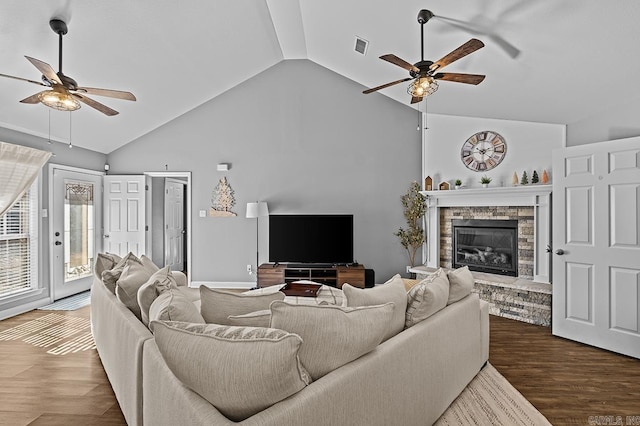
x=528 y=207
x=522 y=218
x=524 y=294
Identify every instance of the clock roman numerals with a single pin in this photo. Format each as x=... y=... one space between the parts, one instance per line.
x=483 y=151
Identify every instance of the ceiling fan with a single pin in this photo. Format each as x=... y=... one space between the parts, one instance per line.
x=63 y=92
x=425 y=73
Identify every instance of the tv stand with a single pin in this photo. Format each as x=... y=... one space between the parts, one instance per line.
x=332 y=275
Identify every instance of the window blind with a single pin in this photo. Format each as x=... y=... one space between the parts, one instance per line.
x=19 y=245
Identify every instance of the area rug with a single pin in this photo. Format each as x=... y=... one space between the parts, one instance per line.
x=59 y=334
x=70 y=303
x=491 y=400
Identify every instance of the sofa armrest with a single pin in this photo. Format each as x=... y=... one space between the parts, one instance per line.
x=181 y=278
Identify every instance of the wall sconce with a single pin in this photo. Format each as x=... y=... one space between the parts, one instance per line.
x=223 y=167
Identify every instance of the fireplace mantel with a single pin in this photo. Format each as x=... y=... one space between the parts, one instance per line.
x=536 y=196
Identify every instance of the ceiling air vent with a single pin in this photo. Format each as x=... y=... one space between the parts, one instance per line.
x=361 y=45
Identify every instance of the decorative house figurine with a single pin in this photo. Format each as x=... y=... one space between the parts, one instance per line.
x=444 y=186
x=534 y=177
x=545 y=177
x=428 y=183
x=514 y=180
x=525 y=178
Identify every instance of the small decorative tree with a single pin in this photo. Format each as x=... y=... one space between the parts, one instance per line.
x=525 y=178
x=545 y=177
x=534 y=177
x=412 y=238
x=222 y=200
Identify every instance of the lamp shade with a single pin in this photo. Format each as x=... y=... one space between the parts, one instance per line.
x=257 y=209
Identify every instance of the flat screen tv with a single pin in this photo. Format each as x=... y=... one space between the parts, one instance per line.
x=324 y=239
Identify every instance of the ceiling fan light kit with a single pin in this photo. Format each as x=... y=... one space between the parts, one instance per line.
x=58 y=99
x=425 y=73
x=422 y=87
x=63 y=93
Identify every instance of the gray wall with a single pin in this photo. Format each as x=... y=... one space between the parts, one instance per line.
x=75 y=157
x=618 y=122
x=305 y=140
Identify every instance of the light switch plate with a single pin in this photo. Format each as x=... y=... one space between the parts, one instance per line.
x=203 y=213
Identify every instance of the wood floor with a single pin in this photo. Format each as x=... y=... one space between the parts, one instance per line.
x=566 y=381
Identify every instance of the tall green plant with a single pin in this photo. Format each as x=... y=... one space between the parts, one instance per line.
x=412 y=238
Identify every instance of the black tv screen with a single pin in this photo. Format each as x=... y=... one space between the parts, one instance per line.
x=311 y=238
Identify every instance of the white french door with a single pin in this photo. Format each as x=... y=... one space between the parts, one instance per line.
x=596 y=238
x=75 y=228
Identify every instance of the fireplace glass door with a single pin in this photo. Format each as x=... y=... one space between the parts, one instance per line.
x=486 y=245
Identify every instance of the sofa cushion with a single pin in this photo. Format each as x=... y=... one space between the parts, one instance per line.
x=110 y=276
x=426 y=298
x=217 y=305
x=460 y=283
x=158 y=283
x=332 y=335
x=172 y=305
x=252 y=319
x=239 y=370
x=133 y=276
x=391 y=291
x=105 y=262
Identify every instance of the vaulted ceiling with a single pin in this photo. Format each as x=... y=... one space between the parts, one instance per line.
x=552 y=61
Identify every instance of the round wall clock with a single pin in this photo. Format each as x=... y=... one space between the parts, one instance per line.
x=483 y=151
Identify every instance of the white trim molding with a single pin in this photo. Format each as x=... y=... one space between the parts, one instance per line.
x=536 y=196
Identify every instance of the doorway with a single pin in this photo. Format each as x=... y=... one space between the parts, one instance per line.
x=169 y=219
x=75 y=224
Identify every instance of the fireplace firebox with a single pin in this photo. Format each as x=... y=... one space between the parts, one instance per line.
x=486 y=245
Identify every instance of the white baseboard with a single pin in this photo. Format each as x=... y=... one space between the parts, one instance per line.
x=21 y=309
x=225 y=284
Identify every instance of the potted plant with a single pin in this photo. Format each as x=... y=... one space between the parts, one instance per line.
x=458 y=183
x=412 y=238
x=485 y=181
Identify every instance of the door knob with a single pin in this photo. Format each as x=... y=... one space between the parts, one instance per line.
x=106 y=236
x=559 y=252
x=58 y=243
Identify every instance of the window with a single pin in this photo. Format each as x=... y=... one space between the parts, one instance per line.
x=19 y=245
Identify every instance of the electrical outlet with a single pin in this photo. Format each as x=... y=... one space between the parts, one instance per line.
x=408 y=267
x=249 y=269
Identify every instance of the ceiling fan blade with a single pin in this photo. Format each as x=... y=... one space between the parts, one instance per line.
x=96 y=105
x=118 y=94
x=39 y=83
x=462 y=51
x=33 y=99
x=459 y=78
x=416 y=99
x=393 y=83
x=400 y=62
x=45 y=69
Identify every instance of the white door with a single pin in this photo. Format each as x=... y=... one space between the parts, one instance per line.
x=174 y=224
x=596 y=241
x=124 y=214
x=75 y=227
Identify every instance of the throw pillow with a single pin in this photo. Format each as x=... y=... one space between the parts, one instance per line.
x=427 y=298
x=159 y=282
x=239 y=370
x=172 y=305
x=460 y=284
x=391 y=291
x=217 y=305
x=105 y=262
x=109 y=277
x=133 y=276
x=332 y=335
x=253 y=319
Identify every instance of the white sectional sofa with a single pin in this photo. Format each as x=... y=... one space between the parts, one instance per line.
x=409 y=379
